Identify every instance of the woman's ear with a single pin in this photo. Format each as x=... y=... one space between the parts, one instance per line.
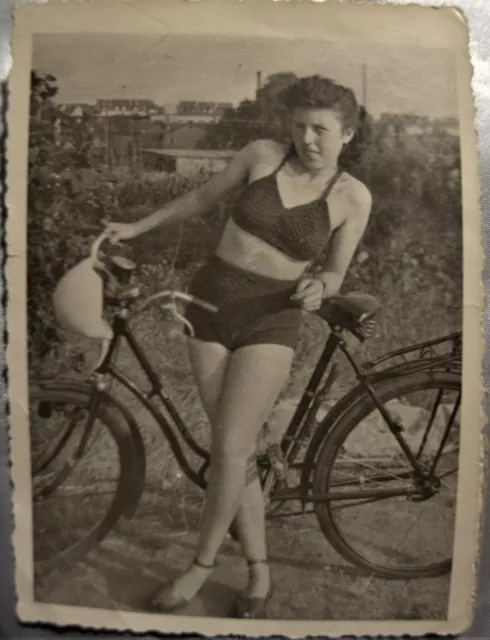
x=349 y=134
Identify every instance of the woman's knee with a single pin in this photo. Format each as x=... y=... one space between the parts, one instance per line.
x=228 y=450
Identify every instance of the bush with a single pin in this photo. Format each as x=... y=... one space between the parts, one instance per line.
x=410 y=255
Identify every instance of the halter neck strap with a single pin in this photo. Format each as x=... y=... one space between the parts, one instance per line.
x=289 y=153
x=331 y=183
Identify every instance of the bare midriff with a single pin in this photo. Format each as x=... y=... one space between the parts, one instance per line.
x=245 y=251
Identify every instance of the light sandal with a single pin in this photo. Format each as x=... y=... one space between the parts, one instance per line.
x=253 y=606
x=164 y=600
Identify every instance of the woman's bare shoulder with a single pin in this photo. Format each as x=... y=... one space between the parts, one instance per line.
x=357 y=194
x=265 y=151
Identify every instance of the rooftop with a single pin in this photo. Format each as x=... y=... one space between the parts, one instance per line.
x=192 y=153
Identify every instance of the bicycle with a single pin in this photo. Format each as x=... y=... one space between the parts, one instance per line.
x=341 y=467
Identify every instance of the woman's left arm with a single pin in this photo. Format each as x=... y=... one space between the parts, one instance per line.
x=345 y=241
x=311 y=291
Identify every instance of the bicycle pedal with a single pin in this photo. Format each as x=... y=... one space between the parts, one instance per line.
x=278 y=463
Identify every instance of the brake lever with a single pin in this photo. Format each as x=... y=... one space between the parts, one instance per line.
x=172 y=307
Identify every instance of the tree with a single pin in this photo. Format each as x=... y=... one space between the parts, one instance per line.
x=253 y=119
x=266 y=117
x=43 y=90
x=62 y=208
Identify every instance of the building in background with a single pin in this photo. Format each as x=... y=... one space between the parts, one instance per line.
x=416 y=125
x=181 y=112
x=187 y=161
x=129 y=108
x=78 y=110
x=187 y=135
x=191 y=112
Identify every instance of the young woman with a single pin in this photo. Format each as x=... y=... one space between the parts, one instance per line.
x=293 y=204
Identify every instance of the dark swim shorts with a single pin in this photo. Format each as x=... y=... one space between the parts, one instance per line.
x=253 y=309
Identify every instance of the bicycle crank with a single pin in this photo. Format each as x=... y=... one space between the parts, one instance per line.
x=425 y=490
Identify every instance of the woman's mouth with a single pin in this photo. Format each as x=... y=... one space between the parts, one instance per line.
x=309 y=153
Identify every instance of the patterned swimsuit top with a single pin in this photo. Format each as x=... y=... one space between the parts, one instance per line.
x=301 y=232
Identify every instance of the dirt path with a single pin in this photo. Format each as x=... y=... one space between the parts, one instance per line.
x=311 y=580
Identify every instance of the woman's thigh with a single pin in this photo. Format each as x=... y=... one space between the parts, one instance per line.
x=209 y=361
x=252 y=382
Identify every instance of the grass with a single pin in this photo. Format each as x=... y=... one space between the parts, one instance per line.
x=312 y=581
x=420 y=299
x=413 y=309
x=169 y=513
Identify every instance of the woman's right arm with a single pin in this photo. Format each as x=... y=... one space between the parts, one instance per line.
x=195 y=202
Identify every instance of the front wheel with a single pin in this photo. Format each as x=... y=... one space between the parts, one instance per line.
x=78 y=459
x=377 y=512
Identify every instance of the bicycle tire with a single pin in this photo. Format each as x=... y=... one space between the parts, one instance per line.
x=81 y=399
x=385 y=390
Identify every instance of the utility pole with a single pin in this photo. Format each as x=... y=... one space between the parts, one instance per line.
x=364 y=86
x=258 y=84
x=107 y=138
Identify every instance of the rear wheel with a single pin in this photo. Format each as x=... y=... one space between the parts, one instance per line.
x=378 y=514
x=77 y=463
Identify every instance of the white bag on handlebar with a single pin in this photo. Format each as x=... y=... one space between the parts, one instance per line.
x=78 y=301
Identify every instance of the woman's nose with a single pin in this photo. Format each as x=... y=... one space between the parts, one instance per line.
x=308 y=136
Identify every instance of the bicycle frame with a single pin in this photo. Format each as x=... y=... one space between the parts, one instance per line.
x=426 y=358
x=169 y=423
x=298 y=431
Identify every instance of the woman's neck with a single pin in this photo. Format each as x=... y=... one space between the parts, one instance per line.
x=325 y=172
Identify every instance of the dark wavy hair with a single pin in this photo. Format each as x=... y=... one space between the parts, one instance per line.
x=323 y=93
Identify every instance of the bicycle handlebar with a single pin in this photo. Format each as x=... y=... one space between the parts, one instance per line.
x=95 y=248
x=171 y=294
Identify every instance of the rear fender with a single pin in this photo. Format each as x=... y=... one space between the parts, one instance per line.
x=133 y=440
x=325 y=428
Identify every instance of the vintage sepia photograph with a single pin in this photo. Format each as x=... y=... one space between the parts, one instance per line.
x=245 y=293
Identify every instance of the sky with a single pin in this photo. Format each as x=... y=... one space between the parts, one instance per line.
x=172 y=67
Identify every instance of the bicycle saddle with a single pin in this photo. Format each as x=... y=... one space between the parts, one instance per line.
x=350 y=312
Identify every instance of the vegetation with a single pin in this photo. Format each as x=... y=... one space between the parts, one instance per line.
x=410 y=257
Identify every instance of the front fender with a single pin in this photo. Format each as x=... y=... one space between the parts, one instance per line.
x=136 y=481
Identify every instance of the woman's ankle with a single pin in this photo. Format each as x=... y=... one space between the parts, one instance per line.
x=204 y=564
x=258 y=570
x=259 y=579
x=257 y=564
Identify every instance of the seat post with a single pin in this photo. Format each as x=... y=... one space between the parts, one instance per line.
x=294 y=431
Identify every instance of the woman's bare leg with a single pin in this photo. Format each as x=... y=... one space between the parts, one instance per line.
x=209 y=362
x=209 y=369
x=250 y=522
x=252 y=379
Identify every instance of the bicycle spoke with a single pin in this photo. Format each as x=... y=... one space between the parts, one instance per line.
x=74 y=491
x=405 y=534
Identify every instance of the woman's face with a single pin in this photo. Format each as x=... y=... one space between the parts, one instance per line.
x=318 y=136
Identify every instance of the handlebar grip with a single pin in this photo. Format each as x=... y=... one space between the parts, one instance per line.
x=122 y=269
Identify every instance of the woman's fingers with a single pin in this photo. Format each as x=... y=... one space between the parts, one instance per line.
x=116 y=232
x=312 y=305
x=303 y=291
x=303 y=285
x=309 y=294
x=112 y=235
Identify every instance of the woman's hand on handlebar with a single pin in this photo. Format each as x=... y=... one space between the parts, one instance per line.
x=119 y=232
